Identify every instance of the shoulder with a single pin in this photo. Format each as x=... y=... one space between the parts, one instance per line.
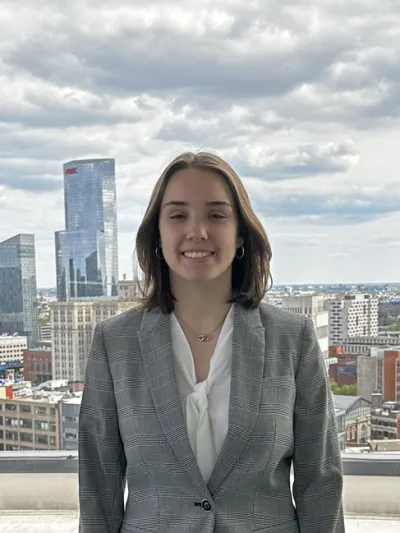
x=273 y=316
x=124 y=323
x=286 y=328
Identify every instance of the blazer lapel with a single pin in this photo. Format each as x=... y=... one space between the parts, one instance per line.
x=248 y=357
x=156 y=347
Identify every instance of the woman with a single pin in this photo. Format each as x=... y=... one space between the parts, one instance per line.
x=204 y=397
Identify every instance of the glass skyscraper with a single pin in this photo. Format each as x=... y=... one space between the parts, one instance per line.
x=18 y=290
x=87 y=250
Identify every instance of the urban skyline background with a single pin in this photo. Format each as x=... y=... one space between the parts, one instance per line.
x=302 y=100
x=47 y=279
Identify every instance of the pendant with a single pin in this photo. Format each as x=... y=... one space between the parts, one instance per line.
x=203 y=338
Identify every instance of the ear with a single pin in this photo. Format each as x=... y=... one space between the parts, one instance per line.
x=239 y=242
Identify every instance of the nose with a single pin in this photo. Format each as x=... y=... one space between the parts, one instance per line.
x=197 y=232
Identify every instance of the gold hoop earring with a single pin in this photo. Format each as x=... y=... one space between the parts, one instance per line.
x=159 y=253
x=242 y=254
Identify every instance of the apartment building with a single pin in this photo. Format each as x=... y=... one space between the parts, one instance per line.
x=37 y=365
x=363 y=345
x=385 y=418
x=352 y=315
x=379 y=372
x=29 y=423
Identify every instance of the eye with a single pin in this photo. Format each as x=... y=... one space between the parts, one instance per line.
x=178 y=216
x=217 y=216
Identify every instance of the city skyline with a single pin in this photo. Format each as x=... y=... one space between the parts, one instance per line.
x=301 y=100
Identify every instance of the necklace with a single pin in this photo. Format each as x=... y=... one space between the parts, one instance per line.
x=204 y=337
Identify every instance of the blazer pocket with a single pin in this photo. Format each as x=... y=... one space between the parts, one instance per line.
x=288 y=527
x=126 y=528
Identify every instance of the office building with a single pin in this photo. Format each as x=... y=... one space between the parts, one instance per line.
x=87 y=250
x=18 y=291
x=12 y=348
x=72 y=330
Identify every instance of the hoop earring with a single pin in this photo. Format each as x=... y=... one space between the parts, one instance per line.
x=159 y=253
x=242 y=254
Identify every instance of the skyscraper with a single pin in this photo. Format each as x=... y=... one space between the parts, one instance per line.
x=18 y=290
x=87 y=250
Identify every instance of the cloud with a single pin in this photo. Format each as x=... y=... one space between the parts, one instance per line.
x=289 y=163
x=302 y=98
x=340 y=208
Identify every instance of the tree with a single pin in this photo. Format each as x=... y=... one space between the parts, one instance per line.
x=335 y=389
x=346 y=390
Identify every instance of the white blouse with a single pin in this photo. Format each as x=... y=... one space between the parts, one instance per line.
x=205 y=404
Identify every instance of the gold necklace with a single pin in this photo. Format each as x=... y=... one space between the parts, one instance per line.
x=204 y=337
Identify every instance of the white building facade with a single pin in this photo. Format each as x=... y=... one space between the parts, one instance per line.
x=12 y=347
x=352 y=315
x=313 y=307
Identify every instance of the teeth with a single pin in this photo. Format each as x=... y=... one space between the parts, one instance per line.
x=196 y=255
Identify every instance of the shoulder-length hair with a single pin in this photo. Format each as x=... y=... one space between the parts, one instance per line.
x=250 y=274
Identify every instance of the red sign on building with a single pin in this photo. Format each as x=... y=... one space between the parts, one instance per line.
x=9 y=393
x=69 y=171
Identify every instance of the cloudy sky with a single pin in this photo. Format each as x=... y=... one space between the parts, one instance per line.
x=301 y=97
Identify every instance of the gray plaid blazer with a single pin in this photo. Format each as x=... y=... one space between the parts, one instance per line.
x=132 y=428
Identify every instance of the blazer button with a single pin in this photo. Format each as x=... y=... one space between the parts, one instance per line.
x=206 y=506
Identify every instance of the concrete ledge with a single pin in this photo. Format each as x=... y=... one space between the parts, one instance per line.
x=65 y=462
x=363 y=495
x=48 y=482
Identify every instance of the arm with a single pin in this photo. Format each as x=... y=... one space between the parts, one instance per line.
x=318 y=481
x=102 y=462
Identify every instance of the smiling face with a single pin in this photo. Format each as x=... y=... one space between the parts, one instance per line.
x=198 y=227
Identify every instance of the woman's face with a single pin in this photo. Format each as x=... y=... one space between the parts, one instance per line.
x=198 y=226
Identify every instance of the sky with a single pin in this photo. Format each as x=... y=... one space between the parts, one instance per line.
x=301 y=97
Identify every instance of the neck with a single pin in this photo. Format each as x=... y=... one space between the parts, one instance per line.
x=203 y=305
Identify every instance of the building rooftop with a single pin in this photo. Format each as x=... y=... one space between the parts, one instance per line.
x=345 y=402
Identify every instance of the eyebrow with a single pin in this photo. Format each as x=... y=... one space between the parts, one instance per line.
x=215 y=203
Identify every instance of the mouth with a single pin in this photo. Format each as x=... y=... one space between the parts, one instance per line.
x=197 y=255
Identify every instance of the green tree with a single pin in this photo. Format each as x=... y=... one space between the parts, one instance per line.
x=346 y=390
x=335 y=389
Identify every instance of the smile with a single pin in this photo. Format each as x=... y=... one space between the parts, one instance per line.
x=197 y=255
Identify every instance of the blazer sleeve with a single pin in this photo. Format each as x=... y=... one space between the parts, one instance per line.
x=318 y=477
x=102 y=462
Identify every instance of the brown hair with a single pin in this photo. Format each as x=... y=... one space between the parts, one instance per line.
x=250 y=274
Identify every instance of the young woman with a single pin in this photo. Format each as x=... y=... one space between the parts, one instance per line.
x=204 y=397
